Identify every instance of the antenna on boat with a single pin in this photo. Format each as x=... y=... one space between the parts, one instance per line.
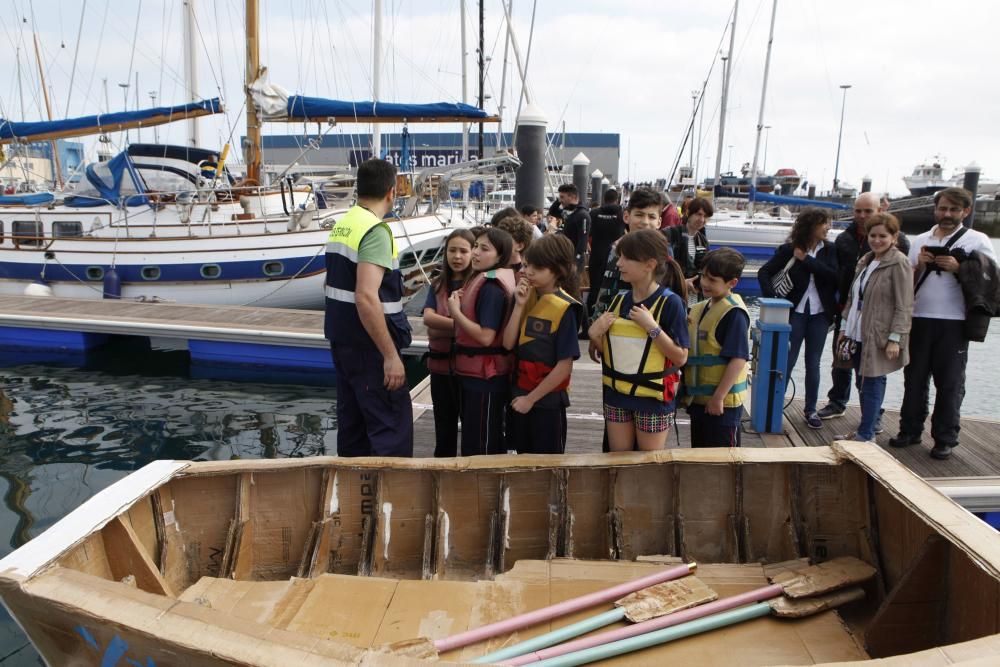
x=727 y=67
x=760 y=116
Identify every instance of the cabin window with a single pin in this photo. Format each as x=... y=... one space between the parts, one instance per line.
x=95 y=273
x=28 y=230
x=150 y=273
x=273 y=268
x=407 y=260
x=211 y=271
x=67 y=229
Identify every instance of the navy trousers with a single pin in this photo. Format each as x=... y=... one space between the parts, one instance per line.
x=371 y=420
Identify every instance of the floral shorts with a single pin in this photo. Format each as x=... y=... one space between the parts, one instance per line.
x=647 y=422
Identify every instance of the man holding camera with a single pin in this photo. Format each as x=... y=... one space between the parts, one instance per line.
x=938 y=347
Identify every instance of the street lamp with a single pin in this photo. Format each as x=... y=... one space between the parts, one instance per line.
x=694 y=111
x=840 y=135
x=763 y=166
x=124 y=87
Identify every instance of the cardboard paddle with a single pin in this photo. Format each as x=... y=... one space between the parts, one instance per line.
x=800 y=582
x=641 y=605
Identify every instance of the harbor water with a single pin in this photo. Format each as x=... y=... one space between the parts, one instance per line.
x=68 y=432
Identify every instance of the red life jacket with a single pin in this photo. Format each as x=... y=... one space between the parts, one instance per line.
x=440 y=341
x=536 y=347
x=471 y=358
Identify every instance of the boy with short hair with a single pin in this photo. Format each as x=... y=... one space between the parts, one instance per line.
x=641 y=212
x=715 y=377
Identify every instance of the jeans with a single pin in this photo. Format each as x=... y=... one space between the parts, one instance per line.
x=872 y=392
x=811 y=330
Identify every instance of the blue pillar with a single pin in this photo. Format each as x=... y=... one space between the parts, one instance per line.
x=767 y=393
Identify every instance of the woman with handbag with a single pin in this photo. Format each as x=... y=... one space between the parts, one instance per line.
x=804 y=271
x=879 y=311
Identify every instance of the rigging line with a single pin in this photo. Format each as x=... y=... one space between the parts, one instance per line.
x=97 y=53
x=76 y=53
x=135 y=40
x=527 y=60
x=163 y=44
x=204 y=47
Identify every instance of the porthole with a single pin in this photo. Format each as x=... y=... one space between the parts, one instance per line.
x=95 y=273
x=150 y=273
x=62 y=229
x=273 y=268
x=211 y=270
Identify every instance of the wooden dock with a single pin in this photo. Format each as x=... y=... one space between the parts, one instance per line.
x=233 y=324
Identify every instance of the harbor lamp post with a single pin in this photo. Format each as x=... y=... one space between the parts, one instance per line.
x=840 y=135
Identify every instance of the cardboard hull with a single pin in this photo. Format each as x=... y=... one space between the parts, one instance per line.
x=322 y=561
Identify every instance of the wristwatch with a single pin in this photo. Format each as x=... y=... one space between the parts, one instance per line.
x=655 y=332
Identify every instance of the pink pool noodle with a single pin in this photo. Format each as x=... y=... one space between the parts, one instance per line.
x=731 y=602
x=560 y=609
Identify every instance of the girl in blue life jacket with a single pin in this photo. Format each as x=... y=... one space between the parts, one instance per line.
x=643 y=339
x=480 y=311
x=446 y=387
x=543 y=331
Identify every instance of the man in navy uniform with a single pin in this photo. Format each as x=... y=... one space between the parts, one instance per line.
x=365 y=323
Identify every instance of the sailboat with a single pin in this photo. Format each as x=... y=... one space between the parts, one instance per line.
x=161 y=222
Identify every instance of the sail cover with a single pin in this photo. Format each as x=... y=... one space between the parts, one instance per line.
x=302 y=108
x=794 y=201
x=110 y=122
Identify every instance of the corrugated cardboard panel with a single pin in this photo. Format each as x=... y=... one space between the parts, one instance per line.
x=405 y=500
x=467 y=504
x=140 y=517
x=283 y=506
x=706 y=510
x=834 y=510
x=530 y=518
x=767 y=530
x=344 y=608
x=901 y=535
x=89 y=556
x=973 y=597
x=644 y=520
x=256 y=601
x=197 y=523
x=438 y=609
x=353 y=499
x=587 y=497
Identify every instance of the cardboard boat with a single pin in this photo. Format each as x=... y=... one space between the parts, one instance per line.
x=326 y=561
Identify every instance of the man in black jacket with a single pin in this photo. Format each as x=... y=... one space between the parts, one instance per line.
x=852 y=245
x=607 y=226
x=576 y=221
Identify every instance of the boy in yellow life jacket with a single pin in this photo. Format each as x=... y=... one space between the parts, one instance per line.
x=715 y=377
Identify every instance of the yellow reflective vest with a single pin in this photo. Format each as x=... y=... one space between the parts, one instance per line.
x=705 y=365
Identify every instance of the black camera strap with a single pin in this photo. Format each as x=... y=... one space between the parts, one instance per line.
x=954 y=237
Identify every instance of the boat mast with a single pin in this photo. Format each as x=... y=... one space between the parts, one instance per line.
x=20 y=90
x=191 y=68
x=56 y=166
x=482 y=74
x=376 y=73
x=465 y=85
x=760 y=116
x=725 y=95
x=251 y=147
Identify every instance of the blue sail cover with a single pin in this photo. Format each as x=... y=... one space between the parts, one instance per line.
x=302 y=108
x=794 y=201
x=110 y=121
x=113 y=182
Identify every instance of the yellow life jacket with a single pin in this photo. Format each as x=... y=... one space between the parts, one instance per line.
x=536 y=346
x=705 y=365
x=631 y=363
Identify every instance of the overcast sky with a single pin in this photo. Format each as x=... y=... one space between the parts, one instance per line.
x=923 y=74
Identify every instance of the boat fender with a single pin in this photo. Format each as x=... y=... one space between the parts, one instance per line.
x=112 y=284
x=38 y=288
